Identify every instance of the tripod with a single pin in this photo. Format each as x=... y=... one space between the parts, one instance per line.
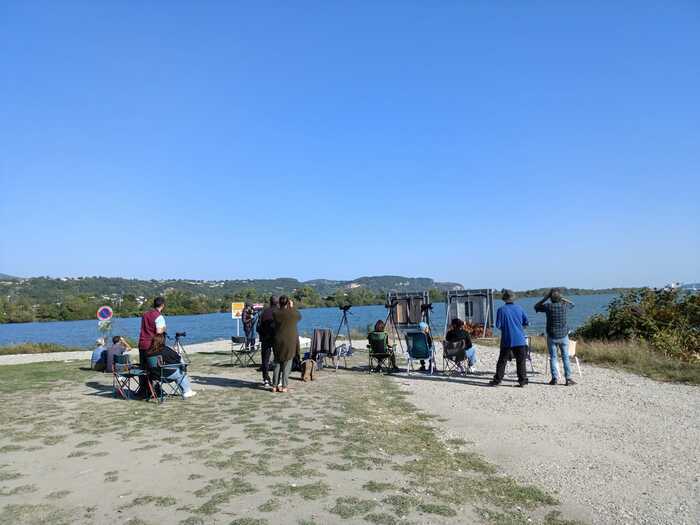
x=344 y=321
x=391 y=318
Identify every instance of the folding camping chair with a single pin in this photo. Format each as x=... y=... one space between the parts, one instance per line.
x=159 y=371
x=241 y=355
x=454 y=355
x=125 y=377
x=322 y=345
x=418 y=349
x=379 y=350
x=572 y=355
x=340 y=352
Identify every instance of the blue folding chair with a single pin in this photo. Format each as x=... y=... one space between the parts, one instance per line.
x=418 y=349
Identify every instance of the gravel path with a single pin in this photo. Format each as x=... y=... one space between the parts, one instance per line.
x=616 y=448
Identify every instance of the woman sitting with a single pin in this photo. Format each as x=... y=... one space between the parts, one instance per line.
x=171 y=357
x=458 y=333
x=380 y=338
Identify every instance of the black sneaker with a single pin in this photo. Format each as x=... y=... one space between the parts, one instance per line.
x=522 y=385
x=493 y=382
x=553 y=381
x=570 y=382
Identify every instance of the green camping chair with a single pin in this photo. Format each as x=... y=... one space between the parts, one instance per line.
x=419 y=350
x=379 y=350
x=125 y=377
x=160 y=372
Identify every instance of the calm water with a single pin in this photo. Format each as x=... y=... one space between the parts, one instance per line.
x=210 y=327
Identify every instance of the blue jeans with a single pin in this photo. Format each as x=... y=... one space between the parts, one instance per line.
x=471 y=356
x=182 y=379
x=563 y=344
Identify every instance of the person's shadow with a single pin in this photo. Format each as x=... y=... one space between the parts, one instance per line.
x=225 y=382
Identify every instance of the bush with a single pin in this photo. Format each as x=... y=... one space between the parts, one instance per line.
x=668 y=320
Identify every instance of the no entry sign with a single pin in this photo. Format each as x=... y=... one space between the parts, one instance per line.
x=104 y=313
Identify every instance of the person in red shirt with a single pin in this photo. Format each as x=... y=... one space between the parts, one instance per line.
x=152 y=323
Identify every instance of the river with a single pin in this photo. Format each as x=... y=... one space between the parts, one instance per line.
x=210 y=327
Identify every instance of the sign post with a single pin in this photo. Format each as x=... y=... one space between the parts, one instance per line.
x=237 y=313
x=104 y=321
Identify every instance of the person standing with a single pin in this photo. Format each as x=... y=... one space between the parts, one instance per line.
x=511 y=321
x=248 y=320
x=266 y=331
x=557 y=332
x=152 y=324
x=286 y=343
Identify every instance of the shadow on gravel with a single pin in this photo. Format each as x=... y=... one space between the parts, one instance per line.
x=99 y=389
x=225 y=382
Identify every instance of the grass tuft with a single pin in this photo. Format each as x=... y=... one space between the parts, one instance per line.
x=350 y=507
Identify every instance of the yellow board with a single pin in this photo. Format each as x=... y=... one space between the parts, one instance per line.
x=237 y=310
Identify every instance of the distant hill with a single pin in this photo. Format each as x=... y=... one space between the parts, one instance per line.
x=68 y=298
x=5 y=277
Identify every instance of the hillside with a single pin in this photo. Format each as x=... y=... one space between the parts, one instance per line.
x=44 y=298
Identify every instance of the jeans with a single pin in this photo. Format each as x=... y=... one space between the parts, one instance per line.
x=181 y=378
x=281 y=373
x=471 y=356
x=520 y=353
x=265 y=352
x=563 y=344
x=250 y=336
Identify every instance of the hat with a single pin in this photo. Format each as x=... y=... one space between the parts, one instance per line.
x=99 y=341
x=423 y=326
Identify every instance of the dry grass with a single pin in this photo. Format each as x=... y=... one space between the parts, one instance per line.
x=633 y=356
x=37 y=348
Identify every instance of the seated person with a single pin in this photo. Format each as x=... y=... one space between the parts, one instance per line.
x=98 y=360
x=458 y=333
x=426 y=329
x=379 y=333
x=119 y=347
x=171 y=357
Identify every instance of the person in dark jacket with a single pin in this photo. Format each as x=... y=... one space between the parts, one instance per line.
x=171 y=357
x=248 y=320
x=379 y=335
x=266 y=331
x=152 y=324
x=458 y=333
x=286 y=342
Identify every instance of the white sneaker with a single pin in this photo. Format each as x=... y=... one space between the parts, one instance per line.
x=189 y=393
x=471 y=369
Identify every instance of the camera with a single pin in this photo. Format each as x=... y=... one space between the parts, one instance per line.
x=345 y=307
x=180 y=334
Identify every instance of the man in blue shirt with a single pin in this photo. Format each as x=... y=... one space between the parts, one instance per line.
x=98 y=359
x=511 y=321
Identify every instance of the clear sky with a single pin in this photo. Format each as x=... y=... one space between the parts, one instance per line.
x=505 y=144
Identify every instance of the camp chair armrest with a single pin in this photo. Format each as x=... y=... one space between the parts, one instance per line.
x=174 y=366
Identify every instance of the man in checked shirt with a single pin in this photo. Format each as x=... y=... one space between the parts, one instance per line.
x=557 y=332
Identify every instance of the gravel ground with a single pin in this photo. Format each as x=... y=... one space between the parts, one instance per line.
x=616 y=448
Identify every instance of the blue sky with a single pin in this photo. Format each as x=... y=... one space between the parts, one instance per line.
x=505 y=144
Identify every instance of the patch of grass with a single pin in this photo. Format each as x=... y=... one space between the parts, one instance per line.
x=194 y=476
x=158 y=501
x=349 y=507
x=554 y=518
x=503 y=518
x=6 y=476
x=37 y=348
x=310 y=491
x=401 y=505
x=36 y=515
x=270 y=505
x=377 y=486
x=111 y=476
x=10 y=448
x=633 y=356
x=436 y=508
x=36 y=376
x=77 y=454
x=343 y=467
x=53 y=440
x=456 y=442
x=89 y=443
x=59 y=494
x=221 y=491
x=507 y=492
x=192 y=520
x=249 y=521
x=21 y=489
x=136 y=521
x=381 y=519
